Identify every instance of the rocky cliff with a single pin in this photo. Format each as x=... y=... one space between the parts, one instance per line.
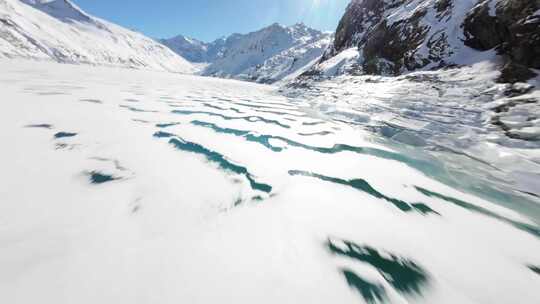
x=391 y=37
x=513 y=28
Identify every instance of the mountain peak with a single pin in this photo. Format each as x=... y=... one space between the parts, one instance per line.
x=266 y=55
x=275 y=25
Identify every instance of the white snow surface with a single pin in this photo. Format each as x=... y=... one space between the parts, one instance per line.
x=341 y=63
x=60 y=31
x=188 y=216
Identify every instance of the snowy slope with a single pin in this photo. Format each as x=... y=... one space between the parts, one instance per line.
x=268 y=55
x=189 y=48
x=197 y=51
x=125 y=186
x=58 y=30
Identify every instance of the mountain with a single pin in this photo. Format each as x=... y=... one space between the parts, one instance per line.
x=271 y=54
x=391 y=37
x=191 y=49
x=58 y=30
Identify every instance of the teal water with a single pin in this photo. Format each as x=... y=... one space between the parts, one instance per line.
x=404 y=274
x=214 y=157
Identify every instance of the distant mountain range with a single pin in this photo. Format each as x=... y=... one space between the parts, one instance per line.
x=58 y=30
x=271 y=54
x=382 y=37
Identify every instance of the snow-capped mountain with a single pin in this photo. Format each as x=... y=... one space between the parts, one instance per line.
x=58 y=30
x=191 y=49
x=392 y=37
x=271 y=54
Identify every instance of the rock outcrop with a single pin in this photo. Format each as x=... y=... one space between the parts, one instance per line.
x=396 y=36
x=513 y=28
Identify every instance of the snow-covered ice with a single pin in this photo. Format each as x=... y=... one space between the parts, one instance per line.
x=123 y=186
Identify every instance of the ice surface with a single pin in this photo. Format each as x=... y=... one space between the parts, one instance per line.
x=122 y=213
x=461 y=111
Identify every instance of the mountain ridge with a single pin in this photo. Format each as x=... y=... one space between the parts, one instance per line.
x=60 y=31
x=268 y=55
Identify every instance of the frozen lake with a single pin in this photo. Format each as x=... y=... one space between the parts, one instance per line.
x=122 y=186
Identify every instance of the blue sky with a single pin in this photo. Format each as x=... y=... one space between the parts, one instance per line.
x=210 y=19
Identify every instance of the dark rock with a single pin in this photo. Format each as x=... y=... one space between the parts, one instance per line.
x=360 y=17
x=514 y=30
x=524 y=45
x=514 y=72
x=392 y=46
x=518 y=89
x=482 y=31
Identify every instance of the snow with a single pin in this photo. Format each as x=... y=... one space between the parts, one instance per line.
x=440 y=43
x=451 y=28
x=274 y=53
x=60 y=31
x=174 y=226
x=60 y=9
x=189 y=48
x=340 y=63
x=492 y=8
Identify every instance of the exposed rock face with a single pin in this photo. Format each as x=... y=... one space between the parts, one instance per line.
x=482 y=30
x=513 y=27
x=513 y=72
x=360 y=18
x=396 y=36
